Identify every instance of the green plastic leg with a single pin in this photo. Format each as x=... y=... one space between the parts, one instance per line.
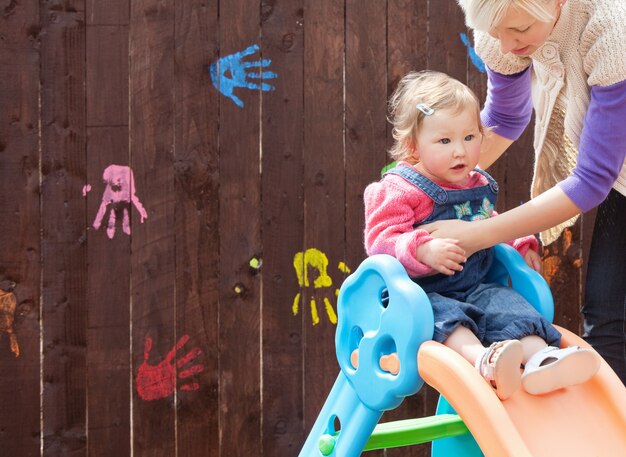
x=415 y=431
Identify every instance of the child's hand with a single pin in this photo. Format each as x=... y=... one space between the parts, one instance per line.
x=442 y=254
x=533 y=260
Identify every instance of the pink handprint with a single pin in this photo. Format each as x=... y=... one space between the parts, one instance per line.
x=159 y=381
x=118 y=194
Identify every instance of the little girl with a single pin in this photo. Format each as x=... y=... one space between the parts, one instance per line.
x=438 y=136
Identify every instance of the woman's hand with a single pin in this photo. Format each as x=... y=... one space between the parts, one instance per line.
x=465 y=233
x=442 y=254
x=533 y=260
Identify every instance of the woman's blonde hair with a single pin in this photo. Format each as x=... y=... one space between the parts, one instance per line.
x=435 y=90
x=483 y=15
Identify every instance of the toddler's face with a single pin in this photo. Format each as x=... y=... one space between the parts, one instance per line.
x=448 y=146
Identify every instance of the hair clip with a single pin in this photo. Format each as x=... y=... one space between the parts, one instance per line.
x=427 y=110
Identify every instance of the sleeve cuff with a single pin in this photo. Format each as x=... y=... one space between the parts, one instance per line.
x=522 y=245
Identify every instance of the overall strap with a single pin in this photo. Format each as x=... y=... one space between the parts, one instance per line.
x=492 y=182
x=434 y=191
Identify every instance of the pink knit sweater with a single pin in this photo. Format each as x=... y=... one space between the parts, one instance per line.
x=393 y=205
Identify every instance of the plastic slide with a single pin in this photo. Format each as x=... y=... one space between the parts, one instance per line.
x=584 y=420
x=381 y=311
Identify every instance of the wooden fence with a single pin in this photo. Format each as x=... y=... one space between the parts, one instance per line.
x=172 y=239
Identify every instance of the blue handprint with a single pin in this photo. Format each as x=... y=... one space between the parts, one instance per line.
x=231 y=71
x=477 y=61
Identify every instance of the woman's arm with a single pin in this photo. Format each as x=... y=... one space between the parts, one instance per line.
x=602 y=148
x=541 y=213
x=507 y=112
x=492 y=148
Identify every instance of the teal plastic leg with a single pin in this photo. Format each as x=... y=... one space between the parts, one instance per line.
x=458 y=446
x=356 y=420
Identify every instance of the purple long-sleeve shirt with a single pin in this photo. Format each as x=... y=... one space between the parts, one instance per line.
x=602 y=147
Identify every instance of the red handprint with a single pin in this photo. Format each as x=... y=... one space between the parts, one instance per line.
x=159 y=381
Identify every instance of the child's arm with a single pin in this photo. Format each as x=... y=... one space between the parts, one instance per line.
x=444 y=255
x=391 y=209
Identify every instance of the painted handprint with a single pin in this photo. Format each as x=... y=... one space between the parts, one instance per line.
x=476 y=60
x=318 y=261
x=159 y=381
x=7 y=315
x=231 y=71
x=117 y=197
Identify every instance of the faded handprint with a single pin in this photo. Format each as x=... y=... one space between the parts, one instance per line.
x=117 y=196
x=476 y=60
x=561 y=259
x=159 y=381
x=231 y=71
x=319 y=262
x=8 y=303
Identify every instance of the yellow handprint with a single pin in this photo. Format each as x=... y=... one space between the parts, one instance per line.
x=317 y=260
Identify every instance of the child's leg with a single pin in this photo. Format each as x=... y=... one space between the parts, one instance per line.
x=499 y=363
x=463 y=341
x=531 y=345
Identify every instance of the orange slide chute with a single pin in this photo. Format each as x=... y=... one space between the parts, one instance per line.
x=583 y=420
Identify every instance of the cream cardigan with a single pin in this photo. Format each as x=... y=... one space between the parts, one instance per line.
x=576 y=56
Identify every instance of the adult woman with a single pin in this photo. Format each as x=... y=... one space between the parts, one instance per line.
x=567 y=60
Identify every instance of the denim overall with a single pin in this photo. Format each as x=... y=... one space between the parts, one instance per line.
x=493 y=312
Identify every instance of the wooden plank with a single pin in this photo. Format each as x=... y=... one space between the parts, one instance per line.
x=240 y=238
x=366 y=112
x=588 y=222
x=365 y=115
x=153 y=333
x=197 y=238
x=114 y=12
x=407 y=39
x=283 y=235
x=20 y=250
x=446 y=51
x=107 y=73
x=64 y=252
x=324 y=193
x=108 y=298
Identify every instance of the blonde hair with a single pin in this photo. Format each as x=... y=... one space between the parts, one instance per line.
x=483 y=15
x=435 y=90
